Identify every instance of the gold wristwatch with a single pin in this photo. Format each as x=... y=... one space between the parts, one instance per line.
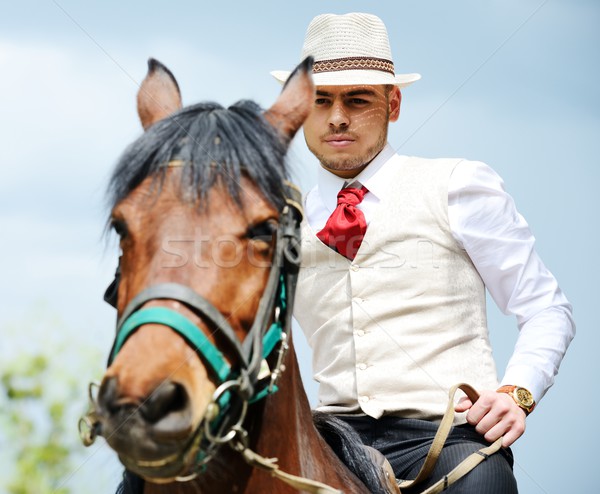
x=522 y=397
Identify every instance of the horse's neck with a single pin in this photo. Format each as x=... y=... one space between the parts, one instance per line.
x=287 y=432
x=282 y=428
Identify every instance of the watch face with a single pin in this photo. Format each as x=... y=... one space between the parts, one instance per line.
x=524 y=397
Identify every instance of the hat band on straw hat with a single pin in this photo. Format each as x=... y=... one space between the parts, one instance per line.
x=354 y=63
x=350 y=49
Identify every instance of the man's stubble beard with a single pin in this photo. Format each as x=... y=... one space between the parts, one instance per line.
x=354 y=162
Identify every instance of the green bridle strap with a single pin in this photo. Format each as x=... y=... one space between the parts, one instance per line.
x=186 y=328
x=180 y=324
x=271 y=338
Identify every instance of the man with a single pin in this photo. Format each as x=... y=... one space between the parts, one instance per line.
x=397 y=253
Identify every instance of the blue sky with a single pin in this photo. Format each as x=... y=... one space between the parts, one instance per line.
x=512 y=83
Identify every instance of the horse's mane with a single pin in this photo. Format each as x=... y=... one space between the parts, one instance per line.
x=347 y=445
x=216 y=143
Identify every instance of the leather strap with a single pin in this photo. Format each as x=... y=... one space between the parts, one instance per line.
x=438 y=443
x=270 y=465
x=186 y=328
x=184 y=294
x=464 y=467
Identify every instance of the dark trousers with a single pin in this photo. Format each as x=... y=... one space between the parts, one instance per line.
x=405 y=443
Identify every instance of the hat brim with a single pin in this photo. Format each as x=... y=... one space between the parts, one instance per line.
x=354 y=77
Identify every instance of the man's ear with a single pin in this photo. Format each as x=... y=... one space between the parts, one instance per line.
x=394 y=101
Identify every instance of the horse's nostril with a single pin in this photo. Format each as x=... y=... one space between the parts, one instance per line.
x=167 y=398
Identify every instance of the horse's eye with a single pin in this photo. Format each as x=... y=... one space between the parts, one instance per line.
x=120 y=227
x=262 y=231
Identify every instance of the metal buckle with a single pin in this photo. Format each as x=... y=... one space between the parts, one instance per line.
x=89 y=424
x=279 y=366
x=237 y=426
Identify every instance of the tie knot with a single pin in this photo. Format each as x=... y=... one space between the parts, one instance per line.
x=351 y=195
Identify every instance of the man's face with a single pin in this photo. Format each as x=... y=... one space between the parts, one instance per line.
x=348 y=125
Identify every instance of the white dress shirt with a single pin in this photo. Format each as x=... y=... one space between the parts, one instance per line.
x=486 y=224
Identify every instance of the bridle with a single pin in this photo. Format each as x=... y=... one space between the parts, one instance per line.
x=247 y=381
x=271 y=323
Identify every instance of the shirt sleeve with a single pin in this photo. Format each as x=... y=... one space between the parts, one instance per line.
x=486 y=224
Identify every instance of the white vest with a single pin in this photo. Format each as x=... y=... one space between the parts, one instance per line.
x=393 y=330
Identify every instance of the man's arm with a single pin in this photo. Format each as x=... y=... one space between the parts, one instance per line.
x=485 y=222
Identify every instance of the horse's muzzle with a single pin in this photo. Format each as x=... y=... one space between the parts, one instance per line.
x=151 y=435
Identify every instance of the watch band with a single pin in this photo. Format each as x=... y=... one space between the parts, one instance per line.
x=522 y=397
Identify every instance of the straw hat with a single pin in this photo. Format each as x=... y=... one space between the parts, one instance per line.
x=349 y=49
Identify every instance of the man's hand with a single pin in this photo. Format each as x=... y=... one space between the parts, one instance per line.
x=494 y=415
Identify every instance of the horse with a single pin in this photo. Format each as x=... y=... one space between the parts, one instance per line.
x=202 y=392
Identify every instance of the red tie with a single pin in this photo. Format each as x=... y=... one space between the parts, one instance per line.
x=346 y=226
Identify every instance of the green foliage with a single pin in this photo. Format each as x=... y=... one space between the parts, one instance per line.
x=42 y=459
x=44 y=371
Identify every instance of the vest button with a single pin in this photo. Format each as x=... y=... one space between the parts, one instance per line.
x=364 y=399
x=354 y=267
x=360 y=332
x=362 y=366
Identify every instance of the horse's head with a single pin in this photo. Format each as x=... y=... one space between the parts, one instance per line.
x=198 y=202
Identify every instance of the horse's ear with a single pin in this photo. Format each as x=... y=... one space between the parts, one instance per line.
x=159 y=94
x=295 y=101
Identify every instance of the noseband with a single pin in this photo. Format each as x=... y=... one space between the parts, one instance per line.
x=250 y=379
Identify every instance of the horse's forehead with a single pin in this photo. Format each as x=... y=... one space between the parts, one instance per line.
x=252 y=196
x=160 y=198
